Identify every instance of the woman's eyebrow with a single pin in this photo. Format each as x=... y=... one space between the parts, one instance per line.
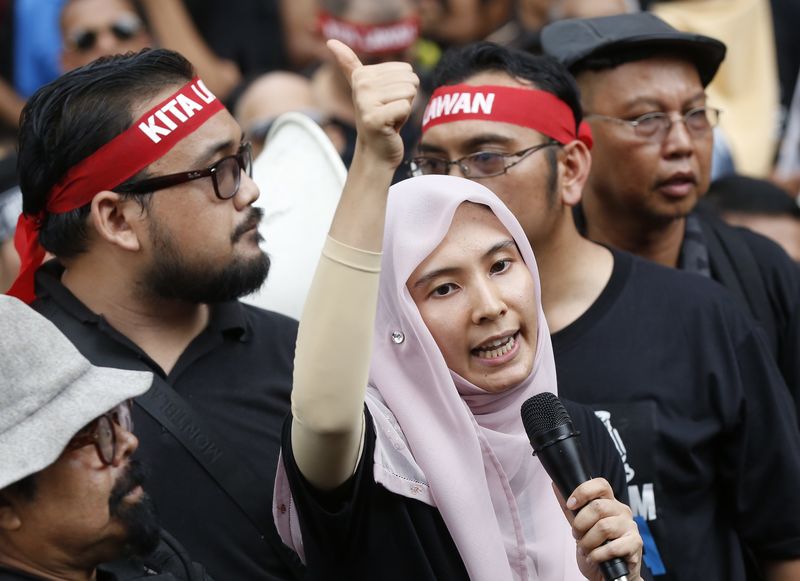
x=449 y=270
x=424 y=279
x=499 y=246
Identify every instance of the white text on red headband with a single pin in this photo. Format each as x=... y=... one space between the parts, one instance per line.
x=371 y=39
x=176 y=111
x=455 y=103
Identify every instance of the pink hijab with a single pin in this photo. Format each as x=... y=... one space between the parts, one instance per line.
x=467 y=452
x=440 y=439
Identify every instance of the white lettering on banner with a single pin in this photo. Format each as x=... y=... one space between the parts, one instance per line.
x=166 y=120
x=189 y=106
x=390 y=38
x=463 y=104
x=202 y=91
x=453 y=103
x=152 y=130
x=349 y=36
x=177 y=115
x=174 y=110
x=643 y=504
x=378 y=39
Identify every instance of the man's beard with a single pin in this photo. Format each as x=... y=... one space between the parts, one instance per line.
x=173 y=277
x=139 y=518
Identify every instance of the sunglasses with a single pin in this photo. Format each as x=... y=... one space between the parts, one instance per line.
x=101 y=433
x=124 y=28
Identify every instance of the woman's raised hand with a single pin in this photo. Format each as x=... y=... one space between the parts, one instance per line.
x=382 y=97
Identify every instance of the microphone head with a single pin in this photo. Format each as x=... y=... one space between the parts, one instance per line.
x=542 y=413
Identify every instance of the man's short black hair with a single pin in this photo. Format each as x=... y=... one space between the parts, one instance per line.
x=746 y=195
x=545 y=72
x=72 y=117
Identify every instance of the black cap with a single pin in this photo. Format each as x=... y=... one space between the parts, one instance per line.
x=572 y=41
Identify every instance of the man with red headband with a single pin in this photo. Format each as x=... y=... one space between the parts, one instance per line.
x=137 y=180
x=680 y=376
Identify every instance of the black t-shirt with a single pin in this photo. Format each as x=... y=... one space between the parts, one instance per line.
x=762 y=277
x=708 y=431
x=237 y=376
x=361 y=531
x=781 y=280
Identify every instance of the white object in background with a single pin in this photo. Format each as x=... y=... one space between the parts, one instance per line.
x=789 y=156
x=301 y=177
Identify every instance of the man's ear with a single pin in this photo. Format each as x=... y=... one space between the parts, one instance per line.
x=9 y=519
x=575 y=163
x=115 y=219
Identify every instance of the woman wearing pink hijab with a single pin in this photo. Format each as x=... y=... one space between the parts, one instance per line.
x=433 y=478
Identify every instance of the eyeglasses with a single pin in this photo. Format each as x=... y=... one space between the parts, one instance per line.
x=226 y=174
x=483 y=164
x=124 y=28
x=656 y=126
x=101 y=433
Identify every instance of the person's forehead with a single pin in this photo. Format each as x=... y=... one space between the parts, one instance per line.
x=474 y=229
x=219 y=128
x=469 y=135
x=92 y=13
x=456 y=134
x=656 y=77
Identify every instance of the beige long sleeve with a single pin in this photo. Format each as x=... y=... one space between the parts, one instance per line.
x=331 y=366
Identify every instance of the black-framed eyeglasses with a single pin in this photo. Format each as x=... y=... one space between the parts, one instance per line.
x=124 y=28
x=226 y=175
x=475 y=166
x=656 y=126
x=101 y=433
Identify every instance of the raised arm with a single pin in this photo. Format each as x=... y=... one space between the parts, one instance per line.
x=335 y=336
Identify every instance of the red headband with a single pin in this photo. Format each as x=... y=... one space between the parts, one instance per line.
x=148 y=139
x=368 y=39
x=531 y=108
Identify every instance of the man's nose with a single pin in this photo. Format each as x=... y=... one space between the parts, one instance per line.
x=127 y=443
x=678 y=141
x=247 y=194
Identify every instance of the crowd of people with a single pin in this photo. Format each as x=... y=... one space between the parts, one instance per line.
x=542 y=197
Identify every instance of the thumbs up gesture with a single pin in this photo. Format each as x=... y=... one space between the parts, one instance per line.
x=382 y=97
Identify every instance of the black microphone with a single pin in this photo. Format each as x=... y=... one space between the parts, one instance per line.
x=557 y=444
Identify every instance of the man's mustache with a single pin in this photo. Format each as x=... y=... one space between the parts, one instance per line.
x=134 y=475
x=252 y=221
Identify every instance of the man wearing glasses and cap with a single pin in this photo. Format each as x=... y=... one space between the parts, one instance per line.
x=673 y=367
x=72 y=504
x=643 y=92
x=137 y=180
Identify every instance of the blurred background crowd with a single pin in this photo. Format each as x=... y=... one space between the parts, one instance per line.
x=267 y=57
